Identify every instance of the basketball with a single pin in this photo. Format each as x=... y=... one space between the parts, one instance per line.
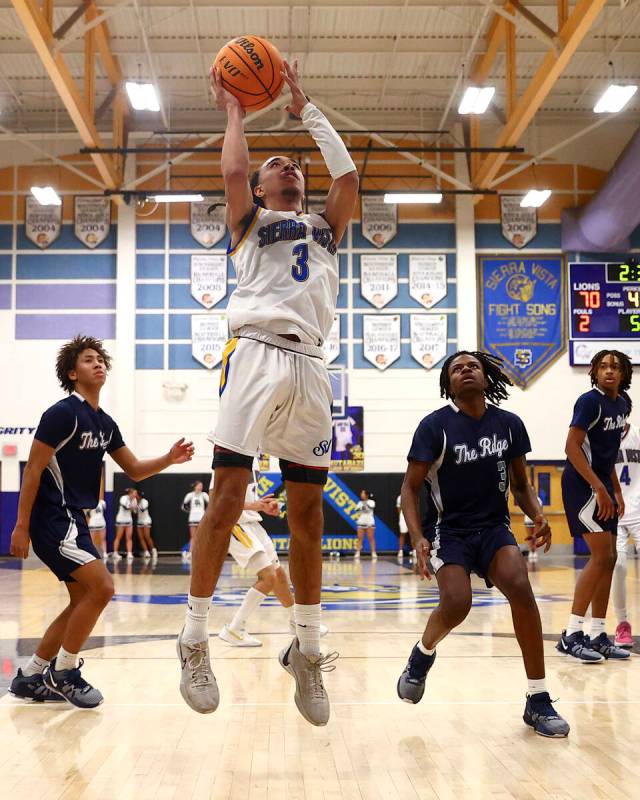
x=250 y=68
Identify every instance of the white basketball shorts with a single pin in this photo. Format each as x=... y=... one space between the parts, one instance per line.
x=275 y=397
x=251 y=546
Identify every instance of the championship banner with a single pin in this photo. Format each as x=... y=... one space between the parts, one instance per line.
x=208 y=278
x=42 y=224
x=209 y=334
x=428 y=338
x=522 y=313
x=379 y=220
x=91 y=219
x=381 y=339
x=347 y=448
x=519 y=225
x=379 y=278
x=331 y=346
x=208 y=228
x=428 y=278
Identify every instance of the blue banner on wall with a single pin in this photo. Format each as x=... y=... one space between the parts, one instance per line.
x=522 y=313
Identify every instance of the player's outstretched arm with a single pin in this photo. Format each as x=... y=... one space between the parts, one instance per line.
x=343 y=194
x=39 y=456
x=234 y=162
x=527 y=500
x=138 y=469
x=410 y=496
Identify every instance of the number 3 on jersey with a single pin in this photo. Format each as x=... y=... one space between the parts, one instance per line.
x=300 y=270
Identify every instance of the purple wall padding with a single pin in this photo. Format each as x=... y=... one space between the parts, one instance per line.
x=57 y=295
x=605 y=224
x=5 y=295
x=65 y=326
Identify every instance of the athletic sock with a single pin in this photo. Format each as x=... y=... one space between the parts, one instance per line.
x=66 y=660
x=308 y=628
x=35 y=666
x=598 y=626
x=424 y=649
x=575 y=624
x=196 y=627
x=252 y=600
x=621 y=615
x=536 y=686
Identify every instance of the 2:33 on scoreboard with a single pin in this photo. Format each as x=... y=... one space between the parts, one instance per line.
x=604 y=308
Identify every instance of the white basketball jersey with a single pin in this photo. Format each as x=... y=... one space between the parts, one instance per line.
x=343 y=433
x=628 y=471
x=287 y=269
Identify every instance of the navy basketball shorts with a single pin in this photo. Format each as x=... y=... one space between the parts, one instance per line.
x=580 y=506
x=473 y=550
x=60 y=538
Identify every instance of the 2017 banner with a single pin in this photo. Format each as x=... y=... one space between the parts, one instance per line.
x=522 y=313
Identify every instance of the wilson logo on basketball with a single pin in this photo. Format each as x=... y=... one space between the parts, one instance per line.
x=249 y=49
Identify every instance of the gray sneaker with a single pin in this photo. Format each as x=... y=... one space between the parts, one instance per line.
x=70 y=684
x=311 y=697
x=198 y=684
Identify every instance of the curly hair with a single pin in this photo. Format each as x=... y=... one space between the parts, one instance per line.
x=626 y=367
x=497 y=380
x=68 y=357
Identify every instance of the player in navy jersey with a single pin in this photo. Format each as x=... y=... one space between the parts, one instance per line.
x=468 y=452
x=61 y=478
x=593 y=501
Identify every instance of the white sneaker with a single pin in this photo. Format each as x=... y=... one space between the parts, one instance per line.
x=400 y=555
x=238 y=638
x=292 y=629
x=310 y=696
x=374 y=556
x=154 y=555
x=129 y=557
x=116 y=556
x=356 y=555
x=146 y=554
x=533 y=556
x=198 y=685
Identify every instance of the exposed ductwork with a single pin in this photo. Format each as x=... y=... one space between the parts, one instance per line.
x=605 y=224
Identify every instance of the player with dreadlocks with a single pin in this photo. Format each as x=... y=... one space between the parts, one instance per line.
x=593 y=501
x=468 y=452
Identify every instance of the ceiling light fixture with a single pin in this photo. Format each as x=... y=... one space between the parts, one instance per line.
x=46 y=195
x=534 y=198
x=476 y=99
x=614 y=99
x=177 y=198
x=142 y=96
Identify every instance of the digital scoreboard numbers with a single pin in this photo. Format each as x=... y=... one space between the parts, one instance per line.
x=604 y=309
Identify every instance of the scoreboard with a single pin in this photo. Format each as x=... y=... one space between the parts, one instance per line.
x=604 y=309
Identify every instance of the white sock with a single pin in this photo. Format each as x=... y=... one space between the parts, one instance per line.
x=35 y=666
x=621 y=615
x=536 y=686
x=196 y=627
x=424 y=649
x=597 y=627
x=252 y=600
x=575 y=624
x=308 y=628
x=65 y=660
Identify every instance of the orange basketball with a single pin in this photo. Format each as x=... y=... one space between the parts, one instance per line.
x=250 y=68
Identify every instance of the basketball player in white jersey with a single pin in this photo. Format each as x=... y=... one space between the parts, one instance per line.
x=251 y=548
x=127 y=506
x=343 y=435
x=143 y=527
x=402 y=529
x=628 y=471
x=194 y=504
x=98 y=528
x=275 y=392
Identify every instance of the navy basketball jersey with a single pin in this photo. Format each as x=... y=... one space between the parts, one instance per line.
x=81 y=436
x=469 y=475
x=603 y=419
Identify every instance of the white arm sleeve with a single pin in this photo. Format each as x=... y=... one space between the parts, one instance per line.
x=333 y=149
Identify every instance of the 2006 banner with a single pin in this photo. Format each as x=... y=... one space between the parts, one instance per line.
x=522 y=313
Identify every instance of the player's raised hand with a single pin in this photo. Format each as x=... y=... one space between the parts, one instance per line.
x=292 y=79
x=222 y=99
x=541 y=535
x=423 y=554
x=181 y=452
x=20 y=542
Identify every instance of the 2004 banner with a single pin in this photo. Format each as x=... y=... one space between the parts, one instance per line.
x=522 y=313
